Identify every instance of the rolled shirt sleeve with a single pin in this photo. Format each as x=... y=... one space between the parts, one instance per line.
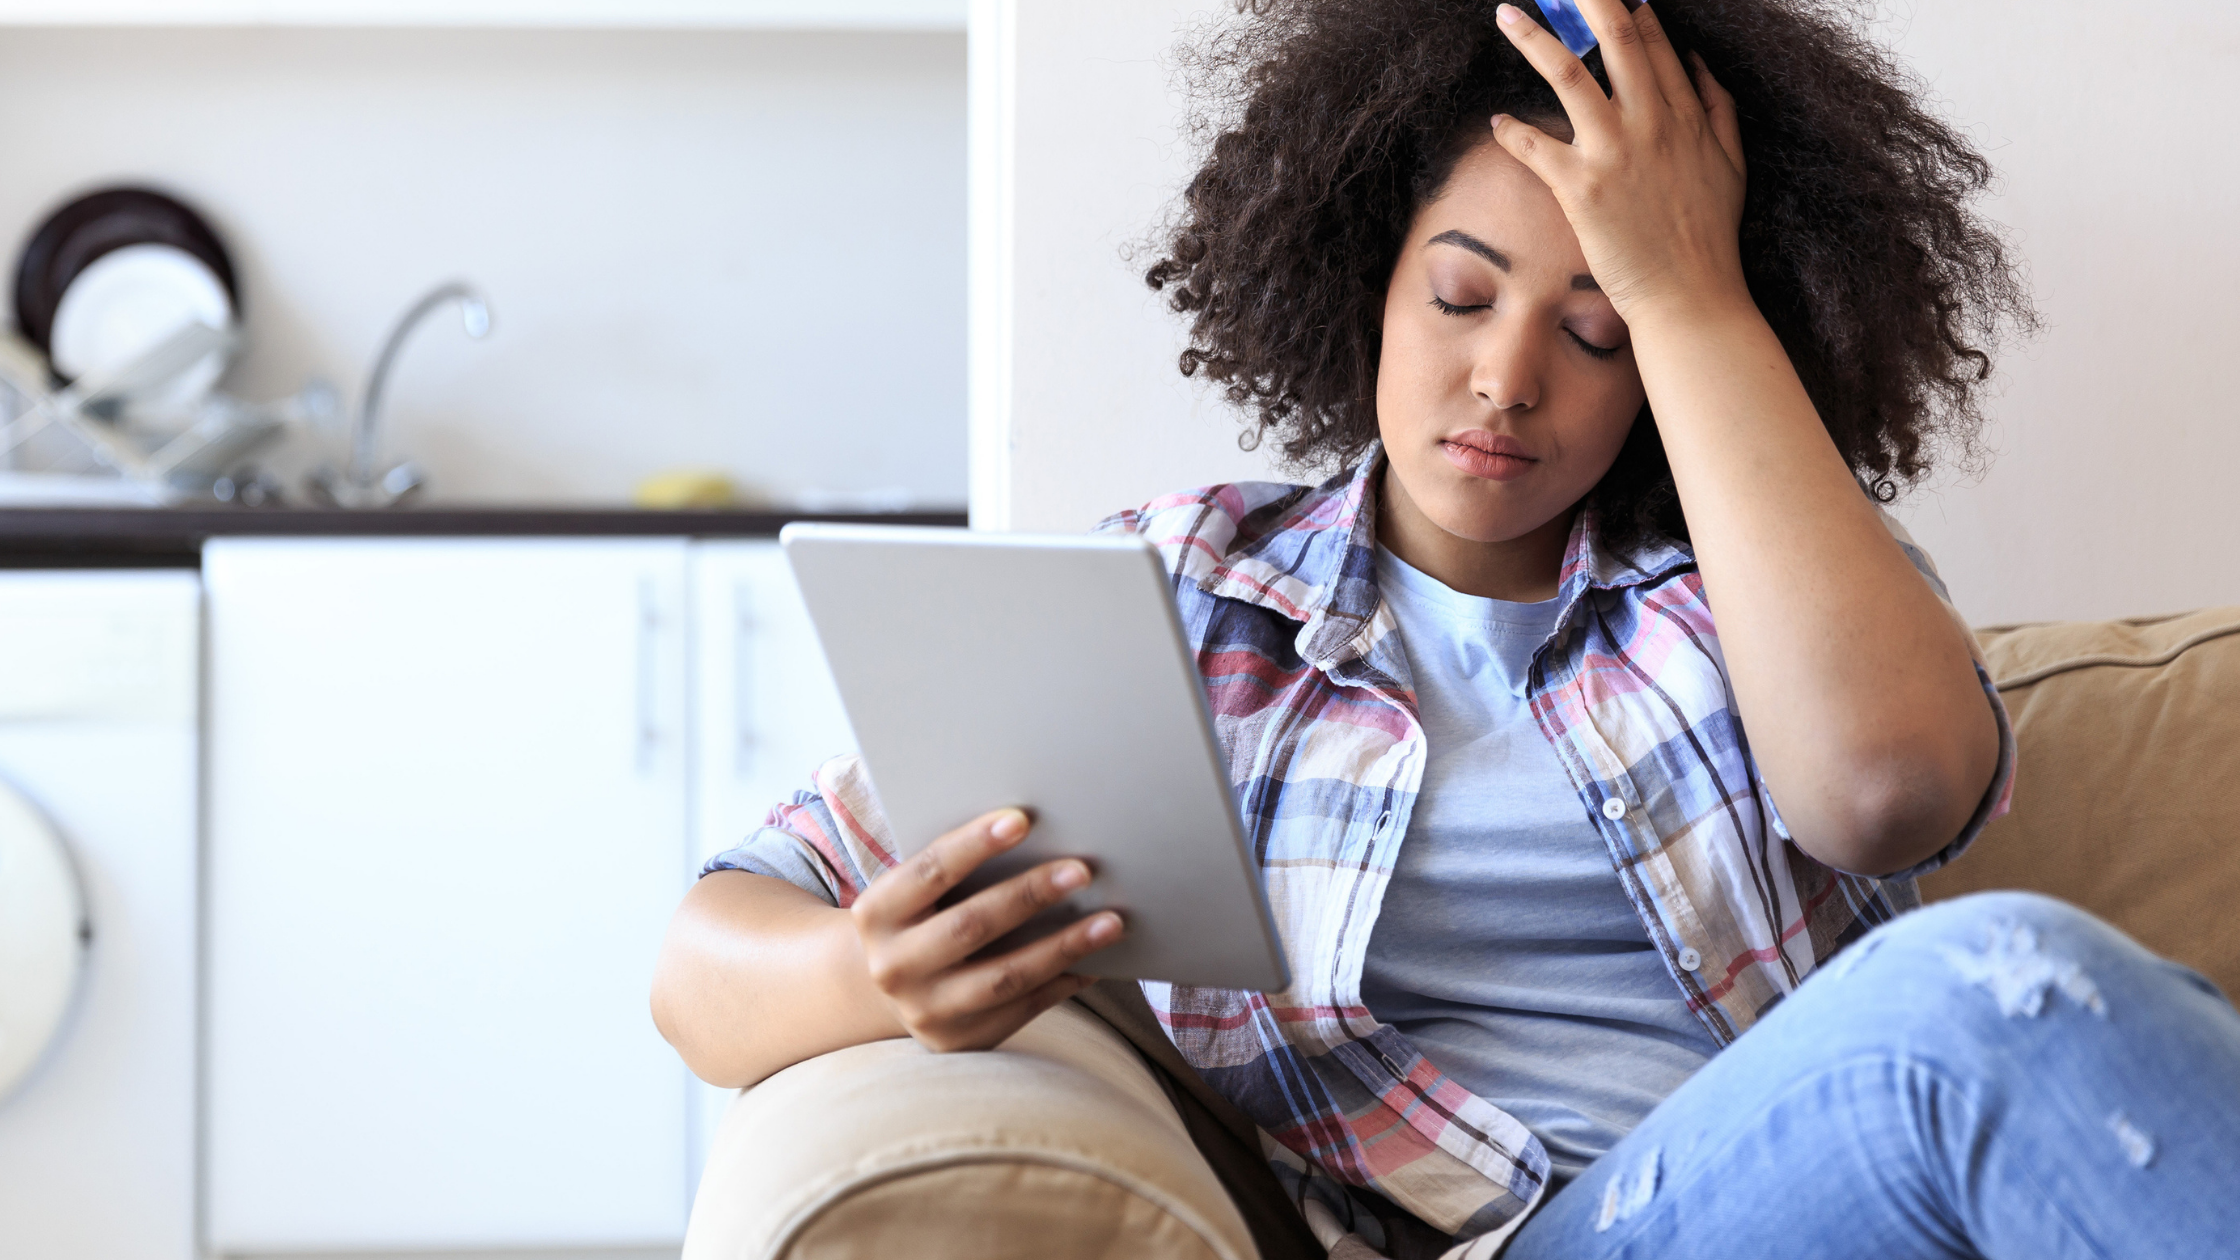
x=830 y=842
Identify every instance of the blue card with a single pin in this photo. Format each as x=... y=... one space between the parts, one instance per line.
x=1563 y=17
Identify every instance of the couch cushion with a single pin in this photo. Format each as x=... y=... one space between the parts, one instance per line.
x=2127 y=783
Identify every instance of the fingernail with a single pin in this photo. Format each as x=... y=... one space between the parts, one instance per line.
x=1071 y=875
x=1499 y=119
x=1103 y=928
x=1508 y=15
x=1009 y=825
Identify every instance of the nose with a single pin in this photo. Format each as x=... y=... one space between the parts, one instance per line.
x=1505 y=366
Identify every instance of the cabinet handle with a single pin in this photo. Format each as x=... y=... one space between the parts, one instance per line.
x=649 y=675
x=742 y=679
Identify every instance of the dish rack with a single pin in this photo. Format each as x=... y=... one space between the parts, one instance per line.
x=162 y=462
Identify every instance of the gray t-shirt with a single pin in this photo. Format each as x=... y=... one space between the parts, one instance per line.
x=1505 y=948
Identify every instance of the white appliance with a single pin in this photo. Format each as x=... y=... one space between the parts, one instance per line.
x=98 y=705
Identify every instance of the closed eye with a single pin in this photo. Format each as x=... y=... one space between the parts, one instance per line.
x=1448 y=308
x=1600 y=352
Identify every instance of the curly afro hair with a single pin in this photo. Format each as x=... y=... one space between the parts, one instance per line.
x=1330 y=121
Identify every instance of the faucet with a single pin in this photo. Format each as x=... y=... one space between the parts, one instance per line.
x=363 y=483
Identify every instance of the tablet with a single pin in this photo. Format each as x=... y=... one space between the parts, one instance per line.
x=981 y=670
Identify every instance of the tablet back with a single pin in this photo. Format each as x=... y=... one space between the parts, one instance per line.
x=981 y=670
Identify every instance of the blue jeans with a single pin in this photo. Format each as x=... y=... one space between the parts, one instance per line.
x=1999 y=1076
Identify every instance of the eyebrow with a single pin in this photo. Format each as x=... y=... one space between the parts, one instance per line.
x=1463 y=240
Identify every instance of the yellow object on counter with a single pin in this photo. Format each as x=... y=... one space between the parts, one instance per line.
x=684 y=489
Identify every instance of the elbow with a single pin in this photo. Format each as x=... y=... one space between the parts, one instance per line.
x=699 y=1053
x=679 y=991
x=1896 y=811
x=665 y=1002
x=664 y=1005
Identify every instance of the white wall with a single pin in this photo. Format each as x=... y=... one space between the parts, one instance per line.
x=1077 y=407
x=2117 y=438
x=729 y=249
x=2114 y=435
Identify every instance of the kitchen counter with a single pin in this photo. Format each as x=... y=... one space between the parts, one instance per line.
x=173 y=537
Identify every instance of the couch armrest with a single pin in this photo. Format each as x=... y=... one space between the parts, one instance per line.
x=1059 y=1143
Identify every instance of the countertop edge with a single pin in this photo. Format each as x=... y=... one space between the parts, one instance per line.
x=173 y=537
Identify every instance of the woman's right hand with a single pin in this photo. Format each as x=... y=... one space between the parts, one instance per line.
x=920 y=953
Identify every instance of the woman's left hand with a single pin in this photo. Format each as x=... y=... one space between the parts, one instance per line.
x=1652 y=180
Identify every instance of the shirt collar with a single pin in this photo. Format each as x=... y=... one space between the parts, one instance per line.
x=1317 y=565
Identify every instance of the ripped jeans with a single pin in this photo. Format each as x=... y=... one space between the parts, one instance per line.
x=1998 y=1076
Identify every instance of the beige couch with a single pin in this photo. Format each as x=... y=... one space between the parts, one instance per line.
x=2128 y=784
x=1068 y=1143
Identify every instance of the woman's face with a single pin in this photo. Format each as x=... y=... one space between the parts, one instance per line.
x=1507 y=382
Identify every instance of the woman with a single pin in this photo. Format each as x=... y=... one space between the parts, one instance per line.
x=1601 y=347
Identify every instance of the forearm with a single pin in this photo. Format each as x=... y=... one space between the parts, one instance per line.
x=757 y=975
x=1861 y=699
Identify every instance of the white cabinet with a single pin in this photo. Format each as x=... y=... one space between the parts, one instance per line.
x=766 y=711
x=447 y=825
x=765 y=715
x=456 y=789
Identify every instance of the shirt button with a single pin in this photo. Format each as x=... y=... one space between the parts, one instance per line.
x=1613 y=809
x=1690 y=960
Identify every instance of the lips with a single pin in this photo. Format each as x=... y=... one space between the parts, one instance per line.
x=1493 y=456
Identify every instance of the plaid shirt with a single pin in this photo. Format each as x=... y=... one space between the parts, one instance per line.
x=1311 y=698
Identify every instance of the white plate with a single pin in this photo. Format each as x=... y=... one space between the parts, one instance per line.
x=125 y=304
